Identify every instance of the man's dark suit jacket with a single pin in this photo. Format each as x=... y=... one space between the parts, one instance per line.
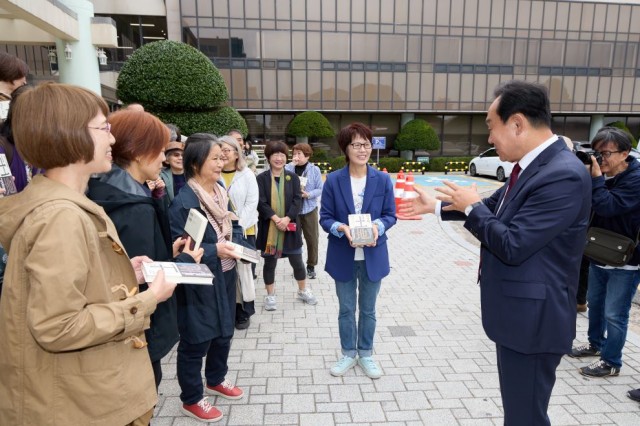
x=531 y=251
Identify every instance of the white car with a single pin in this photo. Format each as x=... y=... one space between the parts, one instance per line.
x=488 y=163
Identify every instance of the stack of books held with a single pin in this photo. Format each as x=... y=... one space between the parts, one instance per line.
x=180 y=273
x=361 y=229
x=6 y=178
x=245 y=253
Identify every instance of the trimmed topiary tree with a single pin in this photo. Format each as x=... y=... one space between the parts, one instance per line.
x=620 y=125
x=310 y=124
x=180 y=85
x=417 y=134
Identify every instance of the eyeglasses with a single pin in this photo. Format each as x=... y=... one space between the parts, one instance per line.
x=605 y=154
x=227 y=150
x=106 y=128
x=358 y=146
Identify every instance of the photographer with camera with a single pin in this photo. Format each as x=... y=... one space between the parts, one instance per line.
x=615 y=178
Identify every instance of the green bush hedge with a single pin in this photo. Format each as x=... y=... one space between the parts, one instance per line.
x=338 y=162
x=310 y=124
x=218 y=122
x=319 y=156
x=417 y=134
x=173 y=76
x=392 y=164
x=436 y=164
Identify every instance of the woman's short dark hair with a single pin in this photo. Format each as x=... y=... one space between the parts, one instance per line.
x=275 y=147
x=349 y=132
x=618 y=137
x=196 y=151
x=50 y=124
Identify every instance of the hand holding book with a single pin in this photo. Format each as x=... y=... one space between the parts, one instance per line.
x=182 y=245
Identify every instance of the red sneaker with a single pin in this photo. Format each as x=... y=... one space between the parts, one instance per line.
x=225 y=390
x=203 y=411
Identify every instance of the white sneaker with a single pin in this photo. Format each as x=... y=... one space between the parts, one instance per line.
x=307 y=296
x=270 y=303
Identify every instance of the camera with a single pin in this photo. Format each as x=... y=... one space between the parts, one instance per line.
x=585 y=157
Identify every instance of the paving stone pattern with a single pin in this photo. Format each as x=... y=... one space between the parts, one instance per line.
x=439 y=366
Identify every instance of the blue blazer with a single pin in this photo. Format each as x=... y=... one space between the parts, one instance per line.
x=531 y=252
x=337 y=204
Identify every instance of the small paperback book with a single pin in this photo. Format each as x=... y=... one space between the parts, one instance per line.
x=195 y=227
x=246 y=253
x=181 y=273
x=303 y=182
x=361 y=229
x=6 y=179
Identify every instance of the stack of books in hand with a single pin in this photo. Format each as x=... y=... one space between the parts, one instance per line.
x=180 y=273
x=361 y=229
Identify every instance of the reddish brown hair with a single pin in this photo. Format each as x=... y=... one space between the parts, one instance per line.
x=304 y=148
x=138 y=135
x=50 y=124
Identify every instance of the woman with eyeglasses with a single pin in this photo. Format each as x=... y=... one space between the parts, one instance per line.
x=242 y=189
x=357 y=270
x=615 y=205
x=279 y=231
x=141 y=219
x=72 y=342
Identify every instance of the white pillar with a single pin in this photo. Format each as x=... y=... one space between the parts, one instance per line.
x=406 y=117
x=82 y=69
x=597 y=121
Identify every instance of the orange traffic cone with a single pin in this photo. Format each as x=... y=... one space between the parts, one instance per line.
x=409 y=194
x=398 y=190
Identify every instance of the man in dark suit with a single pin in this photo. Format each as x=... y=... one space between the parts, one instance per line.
x=532 y=233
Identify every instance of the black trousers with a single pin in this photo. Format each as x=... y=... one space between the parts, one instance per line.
x=583 y=282
x=526 y=382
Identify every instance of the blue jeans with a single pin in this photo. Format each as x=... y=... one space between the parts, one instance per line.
x=609 y=296
x=357 y=338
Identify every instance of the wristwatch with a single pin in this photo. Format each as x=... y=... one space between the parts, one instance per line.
x=468 y=209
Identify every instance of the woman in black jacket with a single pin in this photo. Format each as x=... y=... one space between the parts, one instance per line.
x=279 y=233
x=141 y=220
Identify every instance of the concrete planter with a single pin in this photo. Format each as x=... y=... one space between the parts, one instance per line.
x=406 y=155
x=302 y=139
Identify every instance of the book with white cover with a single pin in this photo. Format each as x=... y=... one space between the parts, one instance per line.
x=195 y=227
x=181 y=273
x=246 y=253
x=6 y=178
x=361 y=229
x=303 y=182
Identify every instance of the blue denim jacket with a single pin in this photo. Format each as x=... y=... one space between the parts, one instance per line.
x=313 y=187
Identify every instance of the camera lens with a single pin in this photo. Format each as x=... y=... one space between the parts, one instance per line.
x=585 y=157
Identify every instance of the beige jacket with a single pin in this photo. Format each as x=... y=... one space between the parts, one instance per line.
x=66 y=350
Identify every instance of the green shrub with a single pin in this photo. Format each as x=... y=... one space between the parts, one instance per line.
x=319 y=156
x=620 y=125
x=218 y=122
x=392 y=164
x=436 y=164
x=310 y=124
x=338 y=162
x=417 y=134
x=171 y=76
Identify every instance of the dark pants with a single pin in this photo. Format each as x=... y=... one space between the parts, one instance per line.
x=583 y=282
x=157 y=372
x=270 y=263
x=189 y=365
x=309 y=225
x=526 y=382
x=189 y=362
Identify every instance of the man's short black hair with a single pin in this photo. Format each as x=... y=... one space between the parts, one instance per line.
x=526 y=98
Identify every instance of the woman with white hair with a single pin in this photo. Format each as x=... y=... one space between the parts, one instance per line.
x=242 y=188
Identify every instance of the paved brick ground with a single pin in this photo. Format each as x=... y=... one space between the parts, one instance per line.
x=439 y=366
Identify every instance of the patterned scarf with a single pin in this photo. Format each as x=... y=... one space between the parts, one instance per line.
x=275 y=237
x=215 y=206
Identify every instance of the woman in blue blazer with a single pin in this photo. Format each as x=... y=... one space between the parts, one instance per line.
x=357 y=189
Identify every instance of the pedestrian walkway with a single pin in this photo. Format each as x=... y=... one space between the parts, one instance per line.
x=439 y=366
